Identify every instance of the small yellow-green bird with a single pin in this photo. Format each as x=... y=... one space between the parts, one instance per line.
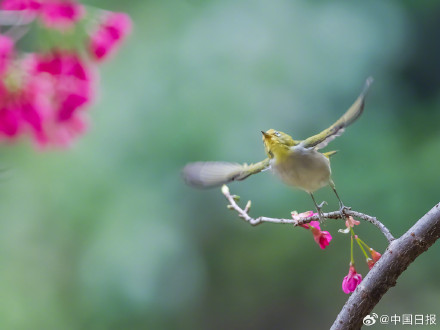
x=297 y=162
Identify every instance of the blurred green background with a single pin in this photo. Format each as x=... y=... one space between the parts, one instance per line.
x=107 y=236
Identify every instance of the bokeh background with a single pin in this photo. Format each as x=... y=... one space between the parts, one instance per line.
x=107 y=236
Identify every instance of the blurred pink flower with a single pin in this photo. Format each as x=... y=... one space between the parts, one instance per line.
x=58 y=14
x=72 y=80
x=31 y=5
x=9 y=119
x=20 y=105
x=109 y=35
x=71 y=90
x=46 y=94
x=6 y=50
x=352 y=280
x=61 y=14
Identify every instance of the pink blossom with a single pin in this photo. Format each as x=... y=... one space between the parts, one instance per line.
x=321 y=237
x=9 y=120
x=298 y=216
x=31 y=5
x=352 y=280
x=109 y=35
x=20 y=106
x=6 y=49
x=58 y=14
x=71 y=82
x=312 y=225
x=61 y=14
x=49 y=63
x=46 y=97
x=36 y=105
x=350 y=222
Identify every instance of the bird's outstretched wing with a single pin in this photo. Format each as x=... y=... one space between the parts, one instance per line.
x=212 y=174
x=320 y=140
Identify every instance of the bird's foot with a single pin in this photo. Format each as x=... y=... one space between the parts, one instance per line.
x=320 y=205
x=343 y=208
x=319 y=209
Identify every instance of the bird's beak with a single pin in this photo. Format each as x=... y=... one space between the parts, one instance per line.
x=265 y=136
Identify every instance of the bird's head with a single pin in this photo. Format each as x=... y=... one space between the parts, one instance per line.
x=277 y=143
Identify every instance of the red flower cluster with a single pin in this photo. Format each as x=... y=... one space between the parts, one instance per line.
x=45 y=94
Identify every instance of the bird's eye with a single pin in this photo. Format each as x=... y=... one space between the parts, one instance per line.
x=277 y=133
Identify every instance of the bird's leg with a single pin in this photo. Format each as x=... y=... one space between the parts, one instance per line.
x=342 y=207
x=318 y=208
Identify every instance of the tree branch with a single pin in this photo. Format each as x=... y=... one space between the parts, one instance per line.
x=397 y=257
x=399 y=254
x=244 y=214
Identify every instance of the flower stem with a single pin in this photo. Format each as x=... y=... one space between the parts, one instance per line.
x=368 y=248
x=358 y=240
x=351 y=251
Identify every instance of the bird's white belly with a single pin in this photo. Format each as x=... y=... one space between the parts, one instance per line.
x=304 y=168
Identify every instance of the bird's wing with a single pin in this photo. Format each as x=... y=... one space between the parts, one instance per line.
x=212 y=174
x=320 y=140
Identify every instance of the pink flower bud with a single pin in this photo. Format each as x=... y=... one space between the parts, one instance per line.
x=375 y=255
x=351 y=281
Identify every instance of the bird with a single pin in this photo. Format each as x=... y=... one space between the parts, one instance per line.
x=298 y=163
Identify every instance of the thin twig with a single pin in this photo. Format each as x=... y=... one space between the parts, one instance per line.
x=398 y=256
x=370 y=219
x=244 y=214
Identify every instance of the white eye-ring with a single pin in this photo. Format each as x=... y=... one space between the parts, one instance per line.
x=277 y=133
